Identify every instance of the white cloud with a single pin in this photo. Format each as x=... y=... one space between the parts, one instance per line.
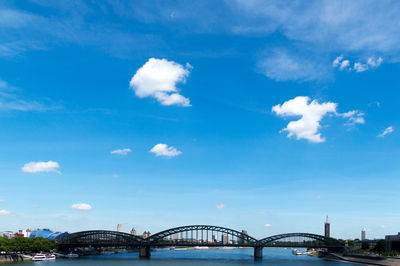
x=115 y=175
x=163 y=150
x=37 y=167
x=157 y=78
x=387 y=130
x=1 y=200
x=220 y=206
x=337 y=61
x=267 y=225
x=121 y=151
x=282 y=65
x=81 y=207
x=311 y=114
x=4 y=212
x=355 y=117
x=359 y=67
x=371 y=63
x=345 y=64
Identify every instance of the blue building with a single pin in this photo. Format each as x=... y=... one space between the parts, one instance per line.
x=46 y=233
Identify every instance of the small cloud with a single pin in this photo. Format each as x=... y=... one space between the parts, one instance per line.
x=382 y=226
x=267 y=225
x=337 y=61
x=359 y=67
x=260 y=212
x=388 y=130
x=37 y=167
x=121 y=151
x=1 y=200
x=220 y=206
x=4 y=212
x=163 y=150
x=81 y=207
x=157 y=78
x=355 y=117
x=345 y=64
x=318 y=196
x=115 y=175
x=371 y=63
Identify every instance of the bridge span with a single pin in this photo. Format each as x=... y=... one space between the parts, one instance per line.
x=193 y=236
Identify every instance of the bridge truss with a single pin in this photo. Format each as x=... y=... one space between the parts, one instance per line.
x=194 y=235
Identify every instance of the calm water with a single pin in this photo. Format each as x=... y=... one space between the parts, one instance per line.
x=215 y=257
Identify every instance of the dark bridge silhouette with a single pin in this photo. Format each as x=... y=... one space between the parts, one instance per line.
x=192 y=236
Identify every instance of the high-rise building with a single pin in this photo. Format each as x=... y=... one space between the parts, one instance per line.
x=133 y=231
x=119 y=227
x=363 y=234
x=225 y=239
x=327 y=228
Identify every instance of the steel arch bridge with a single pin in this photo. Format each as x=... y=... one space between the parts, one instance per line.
x=196 y=235
x=303 y=240
x=193 y=235
x=99 y=238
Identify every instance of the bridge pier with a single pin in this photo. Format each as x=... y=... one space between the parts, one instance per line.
x=258 y=253
x=144 y=252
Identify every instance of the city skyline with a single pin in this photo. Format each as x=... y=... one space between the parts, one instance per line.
x=265 y=119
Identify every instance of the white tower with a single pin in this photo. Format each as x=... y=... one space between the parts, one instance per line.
x=363 y=234
x=119 y=227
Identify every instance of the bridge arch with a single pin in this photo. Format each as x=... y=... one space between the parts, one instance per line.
x=99 y=238
x=190 y=229
x=318 y=239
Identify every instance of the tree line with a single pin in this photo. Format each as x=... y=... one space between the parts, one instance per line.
x=26 y=245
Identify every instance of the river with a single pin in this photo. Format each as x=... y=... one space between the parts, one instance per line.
x=214 y=257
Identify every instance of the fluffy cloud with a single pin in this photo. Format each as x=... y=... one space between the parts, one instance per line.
x=371 y=63
x=220 y=206
x=163 y=150
x=267 y=225
x=37 y=167
x=4 y=212
x=311 y=114
x=81 y=207
x=388 y=130
x=121 y=151
x=157 y=78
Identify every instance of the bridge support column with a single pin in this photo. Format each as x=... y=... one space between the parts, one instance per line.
x=258 y=253
x=144 y=252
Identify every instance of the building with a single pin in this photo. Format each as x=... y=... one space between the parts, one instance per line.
x=8 y=234
x=175 y=236
x=146 y=234
x=225 y=239
x=392 y=242
x=242 y=241
x=133 y=231
x=46 y=233
x=327 y=228
x=363 y=234
x=119 y=227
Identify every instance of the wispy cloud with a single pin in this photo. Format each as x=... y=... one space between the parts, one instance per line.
x=220 y=206
x=11 y=101
x=387 y=130
x=344 y=64
x=124 y=151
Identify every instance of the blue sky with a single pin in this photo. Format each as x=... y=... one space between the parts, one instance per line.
x=155 y=114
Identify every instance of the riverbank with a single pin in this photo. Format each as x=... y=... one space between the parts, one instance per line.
x=364 y=259
x=4 y=258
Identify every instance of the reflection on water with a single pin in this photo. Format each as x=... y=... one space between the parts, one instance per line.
x=218 y=257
